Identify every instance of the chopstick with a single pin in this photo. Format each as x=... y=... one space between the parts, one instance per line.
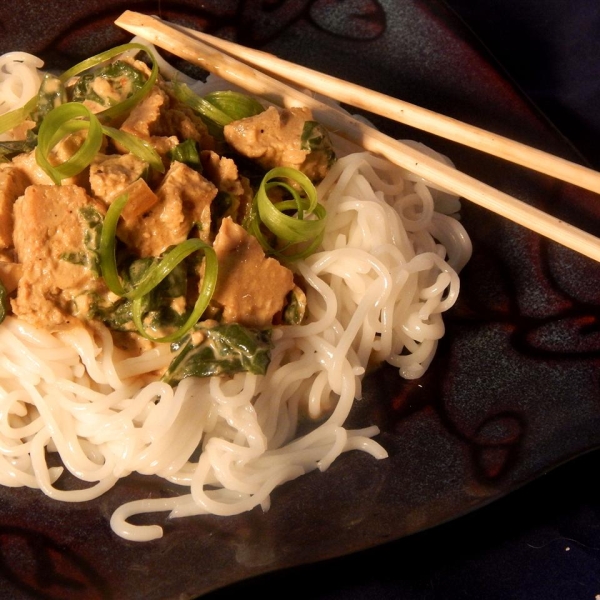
x=182 y=44
x=409 y=114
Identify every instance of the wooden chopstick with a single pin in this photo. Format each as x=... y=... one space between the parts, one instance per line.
x=182 y=44
x=410 y=114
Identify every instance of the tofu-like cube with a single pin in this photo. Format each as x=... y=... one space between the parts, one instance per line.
x=184 y=199
x=12 y=185
x=251 y=287
x=53 y=228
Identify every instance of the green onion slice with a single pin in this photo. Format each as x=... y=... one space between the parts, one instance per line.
x=205 y=109
x=221 y=107
x=209 y=283
x=108 y=243
x=60 y=122
x=15 y=117
x=155 y=274
x=298 y=234
x=69 y=118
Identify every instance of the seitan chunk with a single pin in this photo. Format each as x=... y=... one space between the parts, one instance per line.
x=184 y=199
x=12 y=185
x=10 y=273
x=27 y=164
x=279 y=139
x=164 y=122
x=54 y=235
x=223 y=172
x=251 y=288
x=111 y=174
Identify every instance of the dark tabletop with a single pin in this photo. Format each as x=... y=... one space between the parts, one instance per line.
x=542 y=541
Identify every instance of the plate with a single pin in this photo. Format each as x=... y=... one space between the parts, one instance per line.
x=511 y=394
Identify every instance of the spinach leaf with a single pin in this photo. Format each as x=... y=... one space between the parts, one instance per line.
x=108 y=85
x=4 y=306
x=51 y=94
x=162 y=307
x=89 y=257
x=224 y=350
x=316 y=139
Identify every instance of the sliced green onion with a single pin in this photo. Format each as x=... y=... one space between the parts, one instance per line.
x=234 y=104
x=126 y=105
x=60 y=122
x=221 y=107
x=187 y=153
x=155 y=274
x=209 y=283
x=305 y=228
x=108 y=243
x=15 y=117
x=66 y=119
x=141 y=148
x=205 y=109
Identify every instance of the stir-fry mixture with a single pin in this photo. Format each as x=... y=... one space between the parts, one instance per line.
x=130 y=201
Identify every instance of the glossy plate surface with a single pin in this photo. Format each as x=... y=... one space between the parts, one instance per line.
x=512 y=393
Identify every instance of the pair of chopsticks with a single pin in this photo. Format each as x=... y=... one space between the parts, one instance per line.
x=218 y=57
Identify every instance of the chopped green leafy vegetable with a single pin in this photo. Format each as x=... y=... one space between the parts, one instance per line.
x=218 y=108
x=223 y=350
x=187 y=153
x=295 y=309
x=51 y=94
x=316 y=139
x=109 y=84
x=298 y=234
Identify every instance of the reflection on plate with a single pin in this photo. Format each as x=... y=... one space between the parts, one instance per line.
x=512 y=392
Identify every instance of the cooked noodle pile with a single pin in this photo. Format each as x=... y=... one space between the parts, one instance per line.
x=376 y=290
x=19 y=81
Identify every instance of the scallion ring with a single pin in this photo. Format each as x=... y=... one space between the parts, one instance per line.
x=60 y=122
x=304 y=228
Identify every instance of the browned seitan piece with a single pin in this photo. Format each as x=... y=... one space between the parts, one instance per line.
x=111 y=174
x=223 y=172
x=49 y=227
x=251 y=288
x=162 y=121
x=184 y=199
x=27 y=164
x=12 y=185
x=274 y=139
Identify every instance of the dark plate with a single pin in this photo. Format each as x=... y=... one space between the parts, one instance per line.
x=512 y=393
